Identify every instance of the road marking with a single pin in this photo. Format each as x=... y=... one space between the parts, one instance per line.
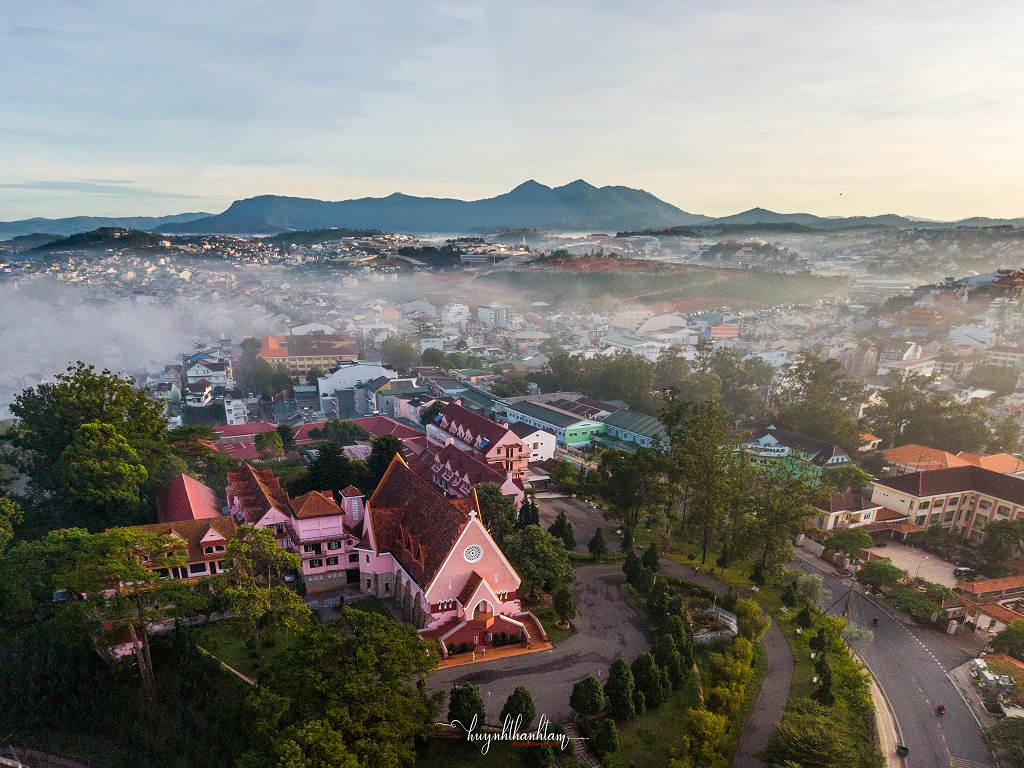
x=962 y=762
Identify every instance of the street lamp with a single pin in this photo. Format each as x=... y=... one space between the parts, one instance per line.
x=919 y=564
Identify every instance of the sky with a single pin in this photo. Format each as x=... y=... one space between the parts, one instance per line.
x=834 y=108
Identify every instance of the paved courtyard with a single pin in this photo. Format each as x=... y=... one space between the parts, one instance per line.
x=606 y=629
x=917 y=562
x=584 y=517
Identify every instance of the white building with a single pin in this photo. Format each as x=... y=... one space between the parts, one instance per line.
x=541 y=443
x=235 y=409
x=456 y=315
x=351 y=374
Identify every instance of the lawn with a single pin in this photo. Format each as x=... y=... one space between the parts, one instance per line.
x=647 y=741
x=370 y=605
x=547 y=618
x=228 y=641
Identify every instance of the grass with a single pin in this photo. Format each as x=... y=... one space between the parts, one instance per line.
x=228 y=641
x=547 y=617
x=647 y=741
x=370 y=605
x=442 y=753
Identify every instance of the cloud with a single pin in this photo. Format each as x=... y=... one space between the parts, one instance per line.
x=113 y=187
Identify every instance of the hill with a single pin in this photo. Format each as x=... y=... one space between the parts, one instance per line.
x=578 y=206
x=75 y=224
x=28 y=242
x=102 y=238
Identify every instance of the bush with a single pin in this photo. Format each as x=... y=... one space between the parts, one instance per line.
x=504 y=638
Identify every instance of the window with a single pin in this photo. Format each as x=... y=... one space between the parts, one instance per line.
x=924 y=505
x=317 y=563
x=218 y=548
x=334 y=545
x=954 y=500
x=208 y=550
x=197 y=568
x=332 y=561
x=353 y=558
x=308 y=548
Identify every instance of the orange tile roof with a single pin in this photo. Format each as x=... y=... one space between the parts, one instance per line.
x=192 y=532
x=996 y=462
x=992 y=585
x=995 y=611
x=186 y=499
x=921 y=457
x=258 y=490
x=315 y=504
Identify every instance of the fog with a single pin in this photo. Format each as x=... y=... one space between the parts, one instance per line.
x=47 y=325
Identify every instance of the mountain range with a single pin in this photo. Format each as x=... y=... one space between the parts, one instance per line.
x=575 y=207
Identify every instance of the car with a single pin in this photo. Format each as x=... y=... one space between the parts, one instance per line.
x=961 y=571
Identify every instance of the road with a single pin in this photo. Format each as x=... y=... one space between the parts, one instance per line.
x=606 y=629
x=911 y=665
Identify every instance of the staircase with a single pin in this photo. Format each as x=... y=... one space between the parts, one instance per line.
x=580 y=753
x=436 y=633
x=533 y=626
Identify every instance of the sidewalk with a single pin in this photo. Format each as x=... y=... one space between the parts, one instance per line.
x=885 y=724
x=965 y=683
x=493 y=653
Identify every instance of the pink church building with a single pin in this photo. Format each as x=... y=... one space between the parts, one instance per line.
x=495 y=443
x=433 y=557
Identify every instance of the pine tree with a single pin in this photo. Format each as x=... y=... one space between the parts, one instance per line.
x=597 y=545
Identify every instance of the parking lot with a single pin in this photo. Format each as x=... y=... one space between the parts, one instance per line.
x=584 y=517
x=917 y=562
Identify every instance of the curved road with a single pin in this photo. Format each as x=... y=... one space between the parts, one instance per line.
x=607 y=629
x=911 y=666
x=775 y=685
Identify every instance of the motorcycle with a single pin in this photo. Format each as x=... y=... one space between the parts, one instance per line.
x=940 y=710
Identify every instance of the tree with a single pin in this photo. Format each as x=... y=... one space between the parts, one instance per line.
x=879 y=573
x=605 y=739
x=1002 y=539
x=50 y=415
x=705 y=736
x=587 y=698
x=465 y=707
x=816 y=398
x=562 y=529
x=1006 y=738
x=823 y=694
x=433 y=357
x=627 y=539
x=631 y=483
x=650 y=558
x=88 y=564
x=519 y=707
x=497 y=511
x=778 y=506
x=850 y=542
x=10 y=515
x=671 y=660
x=399 y=354
x=811 y=587
x=565 y=474
x=620 y=690
x=699 y=458
x=330 y=470
x=269 y=444
x=340 y=431
x=540 y=559
x=1011 y=640
x=1005 y=436
x=529 y=512
x=809 y=735
x=597 y=546
x=751 y=620
x=358 y=682
x=857 y=637
x=287 y=437
x=432 y=411
x=101 y=473
x=844 y=478
x=385 y=448
x=564 y=606
x=257 y=594
x=650 y=679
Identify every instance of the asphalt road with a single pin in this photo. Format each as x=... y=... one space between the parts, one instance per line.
x=911 y=664
x=584 y=518
x=606 y=629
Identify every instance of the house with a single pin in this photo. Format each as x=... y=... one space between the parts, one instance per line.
x=539 y=441
x=236 y=409
x=342 y=382
x=847 y=510
x=496 y=443
x=569 y=428
x=255 y=497
x=204 y=542
x=215 y=370
x=456 y=473
x=638 y=428
x=919 y=458
x=199 y=394
x=792 y=452
x=963 y=499
x=186 y=499
x=993 y=590
x=325 y=534
x=494 y=315
x=435 y=560
x=619 y=343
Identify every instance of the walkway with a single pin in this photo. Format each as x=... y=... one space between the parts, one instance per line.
x=775 y=685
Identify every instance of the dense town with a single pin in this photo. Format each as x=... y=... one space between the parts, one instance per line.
x=628 y=517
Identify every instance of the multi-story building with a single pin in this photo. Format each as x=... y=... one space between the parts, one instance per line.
x=456 y=473
x=301 y=354
x=790 y=452
x=570 y=429
x=963 y=499
x=204 y=542
x=498 y=445
x=495 y=315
